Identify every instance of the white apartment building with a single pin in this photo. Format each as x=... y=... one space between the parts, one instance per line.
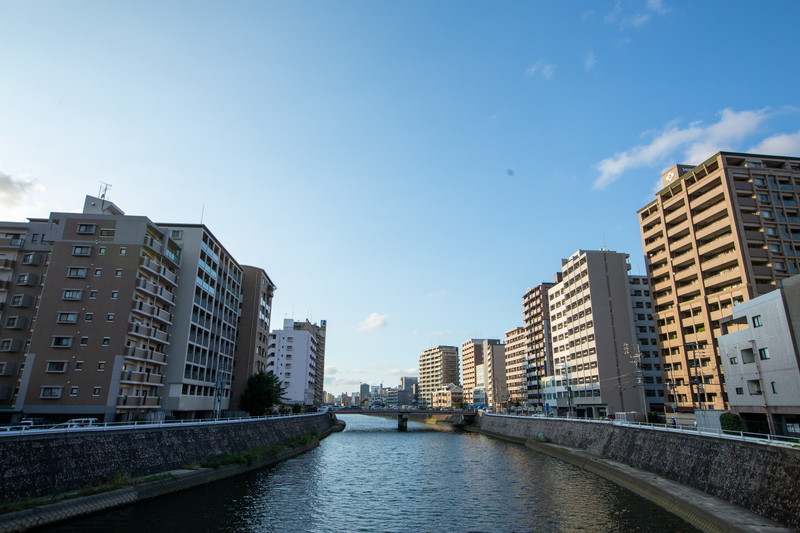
x=645 y=353
x=295 y=354
x=516 y=354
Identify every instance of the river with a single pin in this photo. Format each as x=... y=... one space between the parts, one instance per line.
x=373 y=478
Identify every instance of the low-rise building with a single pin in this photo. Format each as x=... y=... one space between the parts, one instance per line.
x=451 y=395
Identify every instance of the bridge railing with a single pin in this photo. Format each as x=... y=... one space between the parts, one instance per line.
x=759 y=438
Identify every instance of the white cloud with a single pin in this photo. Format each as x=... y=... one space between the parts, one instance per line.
x=624 y=18
x=698 y=141
x=437 y=295
x=540 y=67
x=443 y=333
x=590 y=61
x=373 y=321
x=403 y=372
x=785 y=144
x=13 y=190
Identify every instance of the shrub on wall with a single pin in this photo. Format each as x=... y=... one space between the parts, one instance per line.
x=730 y=422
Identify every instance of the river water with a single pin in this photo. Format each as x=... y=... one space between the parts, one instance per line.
x=373 y=478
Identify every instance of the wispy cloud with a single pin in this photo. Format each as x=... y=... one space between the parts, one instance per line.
x=590 y=61
x=784 y=144
x=402 y=372
x=443 y=333
x=546 y=70
x=13 y=190
x=373 y=321
x=437 y=295
x=698 y=142
x=637 y=16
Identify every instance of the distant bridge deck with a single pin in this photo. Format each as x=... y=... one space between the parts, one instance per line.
x=384 y=412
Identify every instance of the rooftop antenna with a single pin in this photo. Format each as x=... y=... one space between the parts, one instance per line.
x=103 y=191
x=202 y=213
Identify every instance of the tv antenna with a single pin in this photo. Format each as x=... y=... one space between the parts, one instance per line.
x=104 y=189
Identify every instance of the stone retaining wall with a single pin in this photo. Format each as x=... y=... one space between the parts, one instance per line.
x=45 y=464
x=762 y=479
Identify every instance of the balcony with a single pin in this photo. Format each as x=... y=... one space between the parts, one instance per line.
x=751 y=220
x=148 y=378
x=716 y=245
x=652 y=231
x=677 y=228
x=142 y=354
x=7 y=264
x=129 y=402
x=719 y=260
x=710 y=213
x=154 y=290
x=754 y=236
x=711 y=229
x=723 y=278
x=688 y=289
x=685 y=275
x=149 y=333
x=707 y=199
x=152 y=311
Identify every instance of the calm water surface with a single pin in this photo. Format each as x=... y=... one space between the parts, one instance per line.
x=373 y=478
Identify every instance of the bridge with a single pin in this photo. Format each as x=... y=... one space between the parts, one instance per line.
x=461 y=417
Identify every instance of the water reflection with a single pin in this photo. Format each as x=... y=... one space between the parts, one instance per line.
x=373 y=478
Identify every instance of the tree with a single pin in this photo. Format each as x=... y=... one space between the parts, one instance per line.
x=262 y=392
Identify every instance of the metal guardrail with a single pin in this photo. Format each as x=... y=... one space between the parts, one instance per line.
x=742 y=436
x=10 y=431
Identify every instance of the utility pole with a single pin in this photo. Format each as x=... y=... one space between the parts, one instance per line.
x=569 y=391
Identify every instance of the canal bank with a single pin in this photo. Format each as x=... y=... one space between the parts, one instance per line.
x=705 y=511
x=206 y=465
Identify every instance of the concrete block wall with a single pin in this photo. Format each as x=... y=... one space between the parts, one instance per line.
x=45 y=464
x=762 y=479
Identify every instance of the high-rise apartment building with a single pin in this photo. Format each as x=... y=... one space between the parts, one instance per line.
x=200 y=370
x=718 y=233
x=438 y=367
x=516 y=354
x=99 y=328
x=536 y=314
x=297 y=357
x=592 y=335
x=646 y=350
x=494 y=361
x=253 y=340
x=471 y=359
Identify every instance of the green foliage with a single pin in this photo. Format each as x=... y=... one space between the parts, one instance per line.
x=730 y=422
x=263 y=391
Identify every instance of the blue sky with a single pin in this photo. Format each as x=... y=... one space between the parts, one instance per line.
x=404 y=170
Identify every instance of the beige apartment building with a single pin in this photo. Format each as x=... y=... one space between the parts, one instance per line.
x=438 y=367
x=592 y=334
x=718 y=233
x=536 y=314
x=516 y=353
x=471 y=360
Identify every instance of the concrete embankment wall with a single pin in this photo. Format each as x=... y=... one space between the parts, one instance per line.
x=760 y=478
x=40 y=465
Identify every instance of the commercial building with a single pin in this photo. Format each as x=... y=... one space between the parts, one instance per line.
x=297 y=357
x=516 y=355
x=438 y=367
x=253 y=341
x=592 y=335
x=719 y=233
x=760 y=361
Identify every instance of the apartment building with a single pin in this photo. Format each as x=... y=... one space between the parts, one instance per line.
x=760 y=360
x=645 y=353
x=717 y=234
x=592 y=335
x=99 y=332
x=516 y=354
x=297 y=356
x=471 y=359
x=253 y=340
x=451 y=395
x=438 y=367
x=494 y=362
x=536 y=315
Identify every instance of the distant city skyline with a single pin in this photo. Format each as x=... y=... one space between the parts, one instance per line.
x=403 y=171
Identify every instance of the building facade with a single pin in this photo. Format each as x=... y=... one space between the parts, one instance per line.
x=438 y=367
x=719 y=233
x=471 y=359
x=516 y=355
x=760 y=361
x=645 y=353
x=536 y=313
x=296 y=354
x=592 y=335
x=494 y=361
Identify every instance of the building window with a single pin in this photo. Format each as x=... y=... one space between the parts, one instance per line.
x=118 y=273
x=110 y=317
x=18 y=300
x=50 y=392
x=176 y=234
x=56 y=367
x=93 y=295
x=101 y=366
x=102 y=250
x=107 y=232
x=763 y=353
x=106 y=341
x=757 y=321
x=78 y=365
x=96 y=391
x=89 y=317
x=98 y=271
x=82 y=250
x=26 y=279
x=76 y=272
x=71 y=294
x=84 y=342
x=67 y=318
x=774 y=387
x=114 y=295
x=739 y=390
x=86 y=228
x=123 y=251
x=61 y=342
x=73 y=391
x=13 y=322
x=734 y=360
